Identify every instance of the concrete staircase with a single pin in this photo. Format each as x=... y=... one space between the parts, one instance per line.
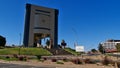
x=59 y=51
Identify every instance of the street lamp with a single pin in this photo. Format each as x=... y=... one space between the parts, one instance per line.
x=19 y=43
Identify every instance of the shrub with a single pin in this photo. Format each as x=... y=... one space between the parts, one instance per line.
x=42 y=60
x=15 y=55
x=90 y=61
x=45 y=58
x=54 y=60
x=87 y=60
x=7 y=57
x=23 y=58
x=77 y=61
x=65 y=59
x=106 y=61
x=38 y=57
x=118 y=64
x=58 y=62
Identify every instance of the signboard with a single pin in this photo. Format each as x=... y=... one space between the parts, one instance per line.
x=79 y=48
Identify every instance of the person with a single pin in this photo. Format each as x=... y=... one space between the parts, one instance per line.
x=63 y=44
x=51 y=43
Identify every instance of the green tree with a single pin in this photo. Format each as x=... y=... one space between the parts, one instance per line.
x=2 y=41
x=93 y=50
x=118 y=47
x=101 y=48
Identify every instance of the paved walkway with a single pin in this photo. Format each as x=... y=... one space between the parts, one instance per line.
x=8 y=65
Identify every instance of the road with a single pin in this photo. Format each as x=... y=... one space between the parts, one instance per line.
x=6 y=65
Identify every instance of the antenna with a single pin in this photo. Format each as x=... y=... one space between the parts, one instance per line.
x=76 y=36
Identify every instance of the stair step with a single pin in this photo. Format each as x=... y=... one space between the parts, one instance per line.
x=59 y=52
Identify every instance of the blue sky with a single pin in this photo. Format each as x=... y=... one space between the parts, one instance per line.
x=87 y=22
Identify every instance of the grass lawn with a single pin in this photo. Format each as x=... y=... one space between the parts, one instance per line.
x=24 y=51
x=72 y=51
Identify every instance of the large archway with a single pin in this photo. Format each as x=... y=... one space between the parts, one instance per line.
x=40 y=23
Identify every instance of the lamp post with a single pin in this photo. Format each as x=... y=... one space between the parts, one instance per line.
x=19 y=43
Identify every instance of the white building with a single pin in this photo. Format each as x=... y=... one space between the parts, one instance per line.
x=110 y=45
